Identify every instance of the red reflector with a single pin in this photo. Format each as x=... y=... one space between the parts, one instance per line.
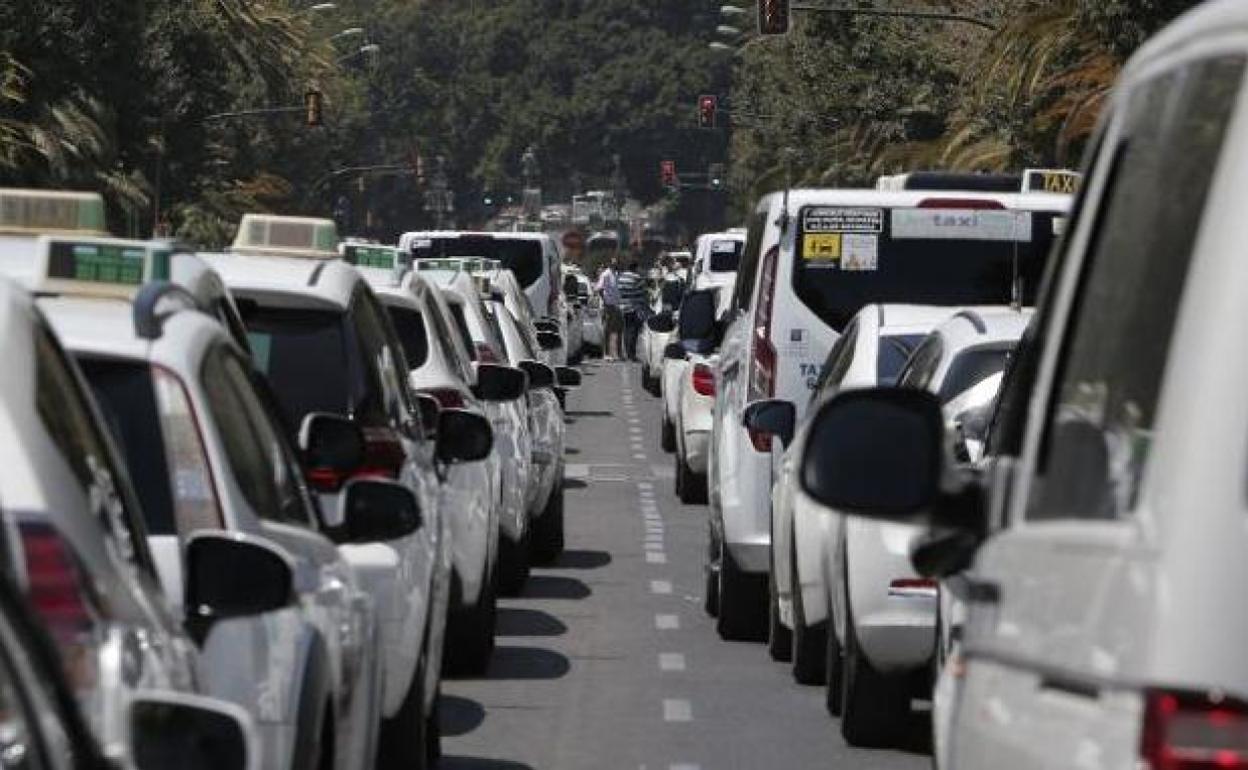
x=959 y=203
x=1194 y=731
x=52 y=582
x=384 y=454
x=912 y=587
x=448 y=398
x=703 y=379
x=325 y=479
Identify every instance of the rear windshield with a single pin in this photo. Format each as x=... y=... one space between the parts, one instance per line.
x=521 y=256
x=410 y=326
x=850 y=257
x=971 y=367
x=127 y=400
x=725 y=256
x=895 y=350
x=305 y=355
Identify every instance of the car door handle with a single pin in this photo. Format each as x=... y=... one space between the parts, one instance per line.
x=1068 y=686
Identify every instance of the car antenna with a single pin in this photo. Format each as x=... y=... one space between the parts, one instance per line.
x=789 y=154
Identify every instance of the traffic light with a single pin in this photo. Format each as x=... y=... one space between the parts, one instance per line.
x=773 y=17
x=313 y=102
x=707 y=106
x=667 y=173
x=715 y=176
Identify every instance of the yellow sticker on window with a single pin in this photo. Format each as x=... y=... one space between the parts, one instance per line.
x=821 y=247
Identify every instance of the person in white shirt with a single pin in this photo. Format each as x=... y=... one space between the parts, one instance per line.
x=608 y=288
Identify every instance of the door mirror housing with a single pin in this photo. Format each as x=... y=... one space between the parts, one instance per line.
x=176 y=729
x=500 y=383
x=567 y=377
x=331 y=442
x=662 y=323
x=773 y=417
x=549 y=340
x=540 y=375
x=876 y=453
x=697 y=316
x=231 y=576
x=675 y=351
x=375 y=511
x=463 y=437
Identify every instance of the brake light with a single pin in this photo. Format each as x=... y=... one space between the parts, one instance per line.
x=447 y=398
x=485 y=353
x=1194 y=731
x=762 y=382
x=959 y=203
x=52 y=581
x=913 y=588
x=328 y=480
x=384 y=454
x=703 y=380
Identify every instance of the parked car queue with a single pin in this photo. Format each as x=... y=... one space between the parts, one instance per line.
x=260 y=492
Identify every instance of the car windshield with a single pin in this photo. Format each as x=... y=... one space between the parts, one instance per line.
x=306 y=357
x=522 y=256
x=972 y=366
x=725 y=255
x=895 y=349
x=409 y=324
x=850 y=257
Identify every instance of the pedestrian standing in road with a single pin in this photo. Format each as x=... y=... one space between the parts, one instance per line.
x=608 y=288
x=634 y=306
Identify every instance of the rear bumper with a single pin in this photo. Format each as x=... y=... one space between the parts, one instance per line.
x=695 y=444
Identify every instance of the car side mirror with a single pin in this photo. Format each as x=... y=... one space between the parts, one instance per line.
x=567 y=377
x=540 y=375
x=500 y=383
x=333 y=448
x=546 y=325
x=233 y=576
x=662 y=323
x=463 y=437
x=549 y=340
x=193 y=732
x=697 y=316
x=675 y=351
x=428 y=408
x=773 y=417
x=376 y=511
x=875 y=453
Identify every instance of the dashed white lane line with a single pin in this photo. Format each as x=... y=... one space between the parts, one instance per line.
x=656 y=557
x=667 y=622
x=634 y=420
x=660 y=587
x=671 y=661
x=654 y=545
x=634 y=429
x=677 y=710
x=639 y=457
x=645 y=485
x=684 y=767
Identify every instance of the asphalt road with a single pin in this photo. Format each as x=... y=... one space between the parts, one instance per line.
x=607 y=660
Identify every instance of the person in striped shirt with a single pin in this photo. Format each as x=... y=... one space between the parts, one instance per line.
x=634 y=305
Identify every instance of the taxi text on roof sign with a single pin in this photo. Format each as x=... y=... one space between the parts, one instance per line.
x=369 y=255
x=267 y=234
x=106 y=267
x=51 y=211
x=1051 y=181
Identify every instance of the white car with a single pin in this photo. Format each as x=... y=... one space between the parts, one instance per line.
x=806 y=270
x=327 y=345
x=657 y=331
x=715 y=264
x=575 y=326
x=1104 y=539
x=593 y=334
x=696 y=400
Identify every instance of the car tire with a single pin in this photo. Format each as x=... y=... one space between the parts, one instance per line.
x=403 y=744
x=710 y=598
x=742 y=602
x=667 y=436
x=548 y=540
x=690 y=486
x=513 y=564
x=873 y=705
x=470 y=634
x=779 y=638
x=433 y=730
x=834 y=663
x=809 y=642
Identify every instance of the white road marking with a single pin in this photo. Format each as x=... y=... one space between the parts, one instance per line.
x=634 y=429
x=654 y=545
x=576 y=471
x=684 y=766
x=671 y=661
x=667 y=622
x=634 y=419
x=677 y=710
x=660 y=586
x=639 y=457
x=645 y=485
x=656 y=557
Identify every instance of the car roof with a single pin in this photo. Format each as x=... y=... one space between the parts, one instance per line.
x=1216 y=18
x=294 y=281
x=801 y=198
x=406 y=239
x=981 y=326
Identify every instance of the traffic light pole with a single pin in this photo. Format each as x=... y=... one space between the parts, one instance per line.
x=928 y=15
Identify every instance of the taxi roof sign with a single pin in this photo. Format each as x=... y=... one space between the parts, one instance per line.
x=51 y=211
x=1048 y=180
x=466 y=264
x=280 y=236
x=370 y=255
x=97 y=267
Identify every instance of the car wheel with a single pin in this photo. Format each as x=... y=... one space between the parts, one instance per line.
x=667 y=437
x=873 y=705
x=513 y=564
x=470 y=634
x=691 y=487
x=779 y=638
x=710 y=601
x=742 y=602
x=548 y=528
x=834 y=662
x=433 y=730
x=809 y=642
x=403 y=738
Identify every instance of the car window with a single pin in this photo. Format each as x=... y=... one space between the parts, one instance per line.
x=460 y=319
x=522 y=256
x=445 y=341
x=971 y=367
x=256 y=448
x=750 y=257
x=1100 y=422
x=725 y=255
x=924 y=361
x=307 y=357
x=409 y=325
x=894 y=350
x=839 y=359
x=386 y=399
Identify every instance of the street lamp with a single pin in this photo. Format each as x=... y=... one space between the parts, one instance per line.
x=364 y=50
x=732 y=10
x=346 y=33
x=321 y=8
x=727 y=30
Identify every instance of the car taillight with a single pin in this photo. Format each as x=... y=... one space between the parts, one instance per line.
x=703 y=380
x=913 y=588
x=52 y=582
x=384 y=454
x=447 y=398
x=1193 y=731
x=485 y=353
x=959 y=203
x=762 y=382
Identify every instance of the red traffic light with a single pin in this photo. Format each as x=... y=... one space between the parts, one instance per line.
x=707 y=106
x=773 y=17
x=667 y=173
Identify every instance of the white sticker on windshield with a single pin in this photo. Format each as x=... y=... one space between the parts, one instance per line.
x=422 y=243
x=962 y=224
x=860 y=252
x=724 y=247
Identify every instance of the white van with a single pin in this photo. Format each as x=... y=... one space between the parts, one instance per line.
x=812 y=259
x=1107 y=538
